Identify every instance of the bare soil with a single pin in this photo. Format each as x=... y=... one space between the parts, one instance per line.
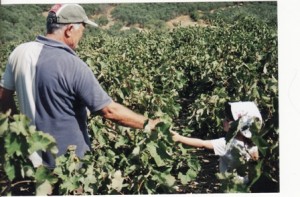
x=180 y=21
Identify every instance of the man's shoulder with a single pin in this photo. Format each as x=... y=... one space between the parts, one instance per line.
x=24 y=49
x=27 y=45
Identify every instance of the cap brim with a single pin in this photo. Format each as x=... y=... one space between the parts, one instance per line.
x=91 y=23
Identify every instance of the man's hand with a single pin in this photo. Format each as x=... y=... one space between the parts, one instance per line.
x=152 y=123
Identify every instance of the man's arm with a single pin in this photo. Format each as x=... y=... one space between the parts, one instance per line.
x=7 y=101
x=195 y=142
x=125 y=117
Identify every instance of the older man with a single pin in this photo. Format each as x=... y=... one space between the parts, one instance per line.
x=54 y=86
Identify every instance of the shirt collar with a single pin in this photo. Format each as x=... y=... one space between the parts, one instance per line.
x=55 y=43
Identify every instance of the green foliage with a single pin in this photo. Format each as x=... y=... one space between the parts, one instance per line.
x=142 y=163
x=185 y=75
x=15 y=18
x=25 y=26
x=136 y=57
x=144 y=13
x=220 y=64
x=262 y=11
x=19 y=140
x=94 y=9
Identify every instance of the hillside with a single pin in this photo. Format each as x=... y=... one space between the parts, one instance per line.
x=117 y=18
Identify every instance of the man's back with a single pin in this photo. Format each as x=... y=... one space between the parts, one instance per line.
x=54 y=87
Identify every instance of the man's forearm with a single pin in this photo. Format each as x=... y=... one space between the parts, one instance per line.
x=125 y=117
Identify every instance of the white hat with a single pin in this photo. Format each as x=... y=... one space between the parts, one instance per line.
x=245 y=111
x=69 y=13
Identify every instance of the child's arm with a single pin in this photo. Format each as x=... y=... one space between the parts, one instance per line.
x=195 y=142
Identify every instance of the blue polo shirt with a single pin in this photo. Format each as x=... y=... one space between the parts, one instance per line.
x=54 y=88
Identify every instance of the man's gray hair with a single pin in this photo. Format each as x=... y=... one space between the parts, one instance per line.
x=52 y=25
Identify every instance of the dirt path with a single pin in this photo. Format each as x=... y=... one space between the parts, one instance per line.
x=110 y=19
x=184 y=21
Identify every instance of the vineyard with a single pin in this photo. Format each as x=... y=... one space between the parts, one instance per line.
x=184 y=76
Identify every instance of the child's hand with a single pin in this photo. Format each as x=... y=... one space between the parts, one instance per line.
x=254 y=153
x=175 y=136
x=255 y=156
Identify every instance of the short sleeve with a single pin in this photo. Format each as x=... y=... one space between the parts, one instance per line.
x=219 y=146
x=7 y=80
x=89 y=90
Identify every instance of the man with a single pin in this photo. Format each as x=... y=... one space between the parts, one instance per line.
x=54 y=86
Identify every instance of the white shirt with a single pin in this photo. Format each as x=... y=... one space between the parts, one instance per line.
x=228 y=157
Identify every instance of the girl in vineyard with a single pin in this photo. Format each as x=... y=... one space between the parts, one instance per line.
x=239 y=146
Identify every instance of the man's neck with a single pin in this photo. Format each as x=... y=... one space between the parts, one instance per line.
x=55 y=37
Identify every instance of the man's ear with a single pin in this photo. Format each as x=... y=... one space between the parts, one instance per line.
x=68 y=30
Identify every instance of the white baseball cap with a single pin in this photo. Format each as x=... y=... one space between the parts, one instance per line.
x=69 y=13
x=245 y=111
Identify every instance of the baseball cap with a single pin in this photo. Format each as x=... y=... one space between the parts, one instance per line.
x=245 y=111
x=68 y=13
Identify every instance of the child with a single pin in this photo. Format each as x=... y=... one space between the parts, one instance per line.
x=245 y=112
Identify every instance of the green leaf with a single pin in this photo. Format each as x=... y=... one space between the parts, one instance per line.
x=256 y=173
x=184 y=178
x=162 y=150
x=10 y=170
x=136 y=151
x=192 y=174
x=170 y=180
x=151 y=147
x=130 y=169
x=43 y=173
x=41 y=141
x=71 y=183
x=13 y=144
x=194 y=164
x=164 y=178
x=120 y=93
x=261 y=143
x=121 y=141
x=117 y=181
x=44 y=188
x=150 y=186
x=19 y=125
x=3 y=124
x=182 y=149
x=28 y=171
